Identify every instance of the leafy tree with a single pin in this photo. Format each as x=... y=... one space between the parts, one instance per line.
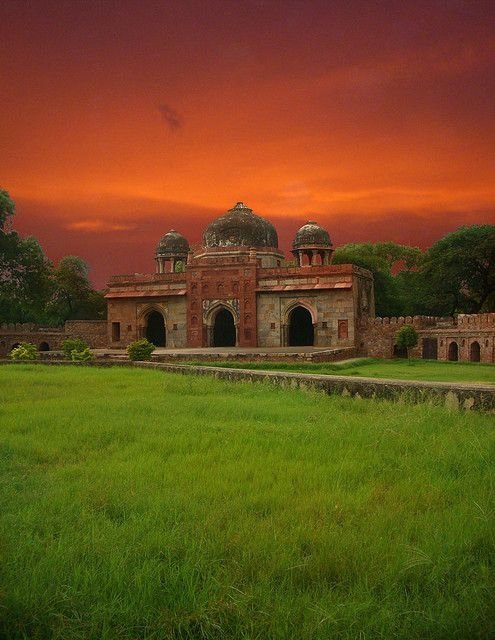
x=73 y=297
x=25 y=279
x=381 y=258
x=7 y=208
x=459 y=271
x=406 y=338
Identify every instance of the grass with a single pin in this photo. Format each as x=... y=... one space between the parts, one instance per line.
x=430 y=370
x=137 y=504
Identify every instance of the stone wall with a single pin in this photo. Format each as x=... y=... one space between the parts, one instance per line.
x=94 y=332
x=451 y=395
x=466 y=338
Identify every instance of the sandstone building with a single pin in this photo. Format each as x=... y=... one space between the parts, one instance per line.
x=236 y=291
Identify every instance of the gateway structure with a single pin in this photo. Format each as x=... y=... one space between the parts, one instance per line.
x=238 y=291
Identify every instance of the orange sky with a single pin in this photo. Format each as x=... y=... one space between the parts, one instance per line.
x=120 y=120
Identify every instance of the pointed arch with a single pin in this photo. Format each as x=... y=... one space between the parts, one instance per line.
x=152 y=324
x=222 y=325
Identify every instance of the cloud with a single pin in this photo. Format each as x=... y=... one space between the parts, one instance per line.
x=92 y=226
x=170 y=116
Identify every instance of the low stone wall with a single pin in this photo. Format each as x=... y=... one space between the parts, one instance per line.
x=454 y=396
x=451 y=395
x=330 y=355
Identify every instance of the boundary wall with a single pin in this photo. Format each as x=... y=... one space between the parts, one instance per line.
x=94 y=332
x=466 y=338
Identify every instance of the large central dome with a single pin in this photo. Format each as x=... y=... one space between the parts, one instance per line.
x=240 y=227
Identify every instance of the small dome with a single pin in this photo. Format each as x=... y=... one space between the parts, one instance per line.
x=240 y=227
x=173 y=244
x=312 y=235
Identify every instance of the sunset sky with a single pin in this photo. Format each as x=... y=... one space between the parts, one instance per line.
x=121 y=120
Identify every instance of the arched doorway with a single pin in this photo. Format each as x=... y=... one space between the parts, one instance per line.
x=155 y=329
x=44 y=346
x=453 y=352
x=301 y=330
x=224 y=329
x=474 y=352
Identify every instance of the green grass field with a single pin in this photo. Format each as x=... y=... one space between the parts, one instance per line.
x=430 y=370
x=137 y=504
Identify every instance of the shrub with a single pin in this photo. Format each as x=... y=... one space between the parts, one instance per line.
x=76 y=350
x=81 y=356
x=406 y=337
x=25 y=351
x=140 y=350
x=73 y=344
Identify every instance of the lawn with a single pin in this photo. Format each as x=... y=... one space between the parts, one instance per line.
x=429 y=370
x=138 y=504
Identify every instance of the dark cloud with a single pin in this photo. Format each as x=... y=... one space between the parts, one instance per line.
x=170 y=117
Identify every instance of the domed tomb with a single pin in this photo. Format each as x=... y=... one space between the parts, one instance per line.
x=240 y=227
x=173 y=248
x=312 y=245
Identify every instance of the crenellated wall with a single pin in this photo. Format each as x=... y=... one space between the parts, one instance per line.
x=469 y=338
x=94 y=332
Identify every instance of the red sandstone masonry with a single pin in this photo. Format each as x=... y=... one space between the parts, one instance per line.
x=463 y=330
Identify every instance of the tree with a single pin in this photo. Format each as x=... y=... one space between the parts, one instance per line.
x=71 y=287
x=382 y=258
x=7 y=208
x=459 y=271
x=25 y=279
x=406 y=338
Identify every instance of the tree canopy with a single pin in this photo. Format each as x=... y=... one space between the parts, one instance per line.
x=7 y=208
x=32 y=289
x=460 y=270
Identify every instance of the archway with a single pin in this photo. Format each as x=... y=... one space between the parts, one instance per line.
x=44 y=346
x=453 y=352
x=224 y=329
x=301 y=330
x=155 y=329
x=475 y=352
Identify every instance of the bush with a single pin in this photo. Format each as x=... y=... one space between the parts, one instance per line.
x=76 y=349
x=25 y=351
x=73 y=344
x=81 y=356
x=140 y=350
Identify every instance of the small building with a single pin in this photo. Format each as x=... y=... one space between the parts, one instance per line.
x=239 y=291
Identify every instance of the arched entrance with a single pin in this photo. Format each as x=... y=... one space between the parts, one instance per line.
x=155 y=329
x=453 y=352
x=224 y=329
x=301 y=330
x=474 y=352
x=44 y=346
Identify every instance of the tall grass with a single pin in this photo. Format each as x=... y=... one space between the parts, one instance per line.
x=137 y=504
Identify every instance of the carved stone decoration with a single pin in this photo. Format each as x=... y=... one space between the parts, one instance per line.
x=232 y=304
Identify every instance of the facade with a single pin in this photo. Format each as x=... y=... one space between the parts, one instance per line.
x=237 y=292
